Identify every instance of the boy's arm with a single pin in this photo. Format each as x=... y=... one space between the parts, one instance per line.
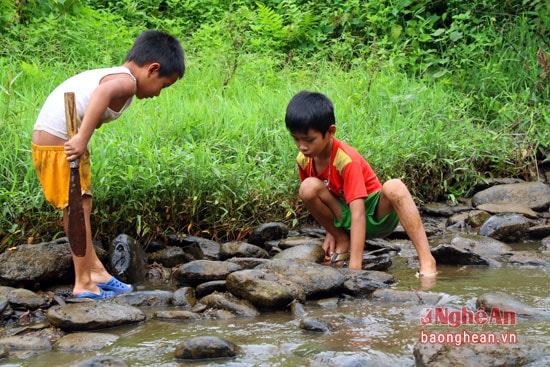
x=122 y=87
x=357 y=233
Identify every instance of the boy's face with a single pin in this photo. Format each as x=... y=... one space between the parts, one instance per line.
x=150 y=85
x=313 y=143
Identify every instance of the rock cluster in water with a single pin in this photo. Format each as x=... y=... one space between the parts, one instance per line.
x=273 y=270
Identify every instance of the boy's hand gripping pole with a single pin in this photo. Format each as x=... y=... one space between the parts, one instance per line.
x=76 y=225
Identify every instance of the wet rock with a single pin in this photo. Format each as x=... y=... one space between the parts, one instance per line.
x=331 y=302
x=36 y=266
x=315 y=325
x=528 y=259
x=153 y=298
x=300 y=241
x=459 y=222
x=210 y=287
x=539 y=231
x=248 y=262
x=479 y=355
x=127 y=259
x=506 y=302
x=157 y=273
x=467 y=249
x=226 y=301
x=508 y=208
x=534 y=195
x=395 y=296
x=297 y=309
x=365 y=282
x=355 y=359
x=217 y=314
x=184 y=297
x=309 y=252
x=21 y=298
x=84 y=341
x=207 y=347
x=93 y=315
x=443 y=209
x=490 y=182
x=241 y=249
x=264 y=289
x=170 y=256
x=103 y=361
x=201 y=271
x=376 y=260
x=26 y=342
x=268 y=232
x=199 y=248
x=316 y=280
x=315 y=232
x=476 y=218
x=387 y=247
x=505 y=227
x=177 y=315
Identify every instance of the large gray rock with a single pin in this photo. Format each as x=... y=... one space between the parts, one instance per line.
x=267 y=232
x=505 y=227
x=264 y=289
x=84 y=341
x=534 y=195
x=315 y=279
x=37 y=266
x=207 y=347
x=93 y=315
x=310 y=252
x=201 y=271
x=226 y=301
x=505 y=302
x=241 y=249
x=365 y=282
x=396 y=296
x=154 y=298
x=467 y=249
x=127 y=259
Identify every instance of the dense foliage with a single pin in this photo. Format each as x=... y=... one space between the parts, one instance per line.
x=439 y=93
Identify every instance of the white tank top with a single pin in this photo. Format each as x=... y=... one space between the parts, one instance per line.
x=52 y=114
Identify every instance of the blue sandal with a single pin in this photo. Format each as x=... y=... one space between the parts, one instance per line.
x=115 y=285
x=102 y=295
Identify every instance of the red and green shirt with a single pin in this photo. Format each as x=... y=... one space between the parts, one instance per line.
x=348 y=175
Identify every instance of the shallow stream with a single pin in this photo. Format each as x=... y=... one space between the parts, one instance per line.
x=369 y=332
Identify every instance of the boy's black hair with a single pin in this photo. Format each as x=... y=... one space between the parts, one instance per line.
x=154 y=46
x=309 y=110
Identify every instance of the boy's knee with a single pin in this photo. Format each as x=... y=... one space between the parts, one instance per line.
x=394 y=184
x=394 y=188
x=309 y=188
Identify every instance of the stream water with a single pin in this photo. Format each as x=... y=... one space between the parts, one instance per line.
x=369 y=332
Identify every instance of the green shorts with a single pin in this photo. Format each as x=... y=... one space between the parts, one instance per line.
x=375 y=229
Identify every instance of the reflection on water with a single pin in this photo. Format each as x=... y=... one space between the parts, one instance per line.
x=368 y=332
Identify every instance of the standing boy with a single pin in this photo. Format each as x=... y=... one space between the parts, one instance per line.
x=342 y=192
x=155 y=61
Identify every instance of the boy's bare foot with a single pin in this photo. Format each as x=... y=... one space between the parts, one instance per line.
x=427 y=282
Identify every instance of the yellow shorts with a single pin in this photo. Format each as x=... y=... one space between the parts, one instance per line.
x=53 y=171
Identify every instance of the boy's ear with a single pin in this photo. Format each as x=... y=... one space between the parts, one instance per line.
x=153 y=67
x=332 y=129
